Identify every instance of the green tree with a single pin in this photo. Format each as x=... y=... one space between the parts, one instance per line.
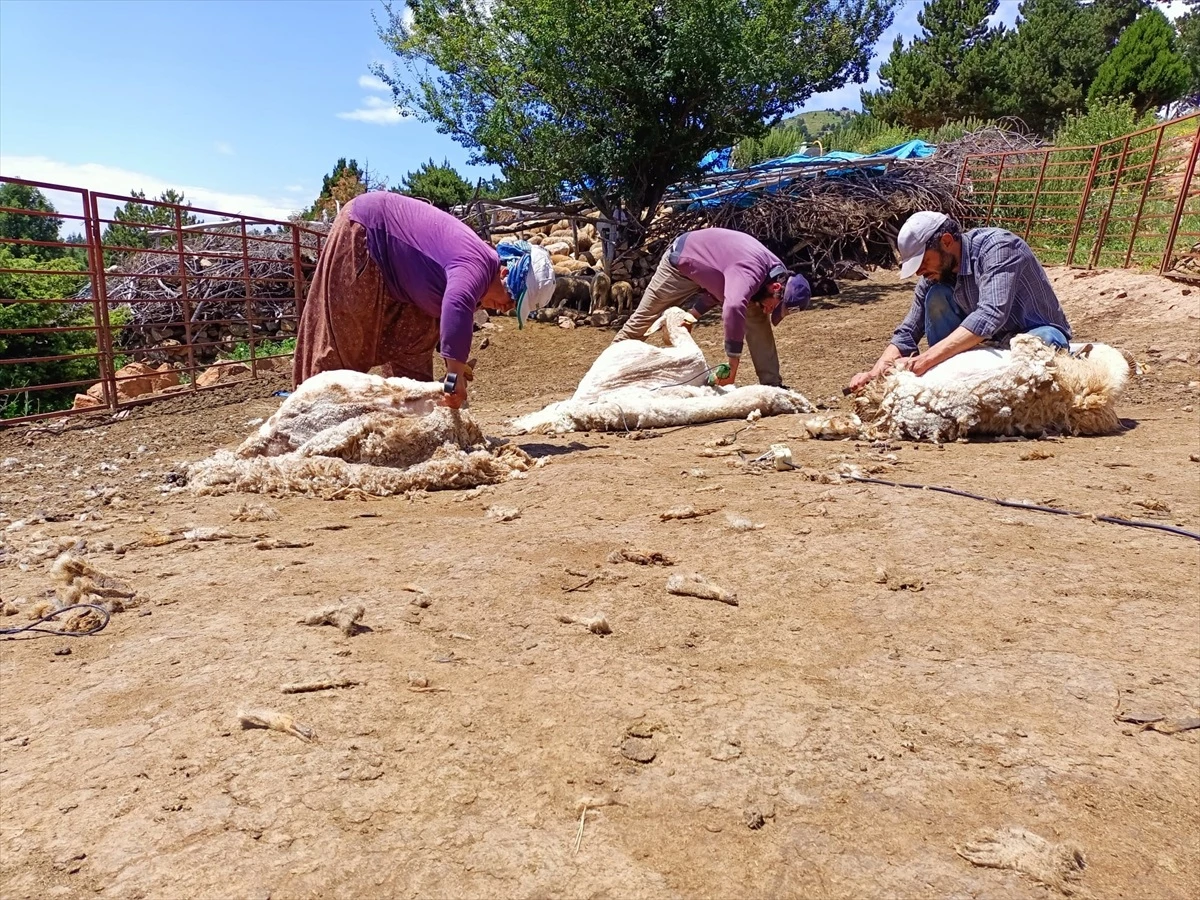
x=616 y=101
x=344 y=183
x=54 y=285
x=1144 y=65
x=339 y=187
x=136 y=226
x=441 y=185
x=950 y=71
x=26 y=227
x=1188 y=26
x=1053 y=56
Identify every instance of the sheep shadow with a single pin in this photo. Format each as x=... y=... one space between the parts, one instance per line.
x=539 y=451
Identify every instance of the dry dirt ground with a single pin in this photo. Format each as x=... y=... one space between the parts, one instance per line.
x=869 y=731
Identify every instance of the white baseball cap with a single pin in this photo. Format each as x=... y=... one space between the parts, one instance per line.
x=914 y=235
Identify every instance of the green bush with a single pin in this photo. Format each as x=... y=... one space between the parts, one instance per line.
x=241 y=350
x=1104 y=120
x=78 y=346
x=781 y=141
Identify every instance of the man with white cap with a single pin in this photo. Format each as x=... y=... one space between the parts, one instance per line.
x=980 y=285
x=754 y=288
x=398 y=277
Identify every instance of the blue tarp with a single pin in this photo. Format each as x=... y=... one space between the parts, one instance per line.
x=701 y=197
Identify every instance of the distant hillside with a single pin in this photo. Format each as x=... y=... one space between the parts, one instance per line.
x=789 y=135
x=818 y=120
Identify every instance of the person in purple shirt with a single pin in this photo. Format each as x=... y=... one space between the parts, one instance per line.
x=981 y=285
x=398 y=277
x=718 y=266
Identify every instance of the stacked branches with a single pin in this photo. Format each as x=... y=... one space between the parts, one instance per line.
x=837 y=225
x=226 y=284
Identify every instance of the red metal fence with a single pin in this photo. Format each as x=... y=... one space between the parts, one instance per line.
x=1133 y=201
x=189 y=300
x=172 y=299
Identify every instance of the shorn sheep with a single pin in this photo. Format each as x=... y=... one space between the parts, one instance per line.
x=1028 y=390
x=634 y=385
x=344 y=432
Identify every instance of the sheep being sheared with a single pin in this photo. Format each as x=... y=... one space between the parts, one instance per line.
x=637 y=363
x=1027 y=390
x=634 y=385
x=342 y=432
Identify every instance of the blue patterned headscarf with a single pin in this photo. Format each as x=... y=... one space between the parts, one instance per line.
x=530 y=278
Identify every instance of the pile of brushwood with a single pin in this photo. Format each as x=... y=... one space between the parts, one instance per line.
x=214 y=288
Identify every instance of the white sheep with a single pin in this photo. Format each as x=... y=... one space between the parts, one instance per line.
x=633 y=385
x=628 y=363
x=1027 y=390
x=342 y=432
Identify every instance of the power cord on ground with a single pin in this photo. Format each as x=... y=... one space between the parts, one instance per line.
x=33 y=626
x=1016 y=504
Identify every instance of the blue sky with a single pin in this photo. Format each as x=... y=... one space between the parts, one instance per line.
x=244 y=105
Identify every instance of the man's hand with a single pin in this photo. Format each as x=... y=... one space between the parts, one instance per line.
x=918 y=365
x=733 y=367
x=861 y=380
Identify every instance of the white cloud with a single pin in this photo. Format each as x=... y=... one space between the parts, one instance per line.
x=374 y=111
x=113 y=180
x=224 y=148
x=294 y=188
x=372 y=83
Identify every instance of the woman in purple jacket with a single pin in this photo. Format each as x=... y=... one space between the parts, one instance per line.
x=398 y=277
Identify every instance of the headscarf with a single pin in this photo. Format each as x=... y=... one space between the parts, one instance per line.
x=530 y=279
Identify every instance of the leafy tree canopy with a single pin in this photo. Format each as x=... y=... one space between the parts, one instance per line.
x=616 y=101
x=26 y=227
x=1188 y=26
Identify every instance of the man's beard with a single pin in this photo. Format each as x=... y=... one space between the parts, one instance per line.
x=946 y=273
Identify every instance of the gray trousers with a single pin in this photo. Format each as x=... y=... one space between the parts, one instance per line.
x=670 y=287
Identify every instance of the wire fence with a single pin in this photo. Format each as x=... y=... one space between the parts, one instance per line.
x=101 y=309
x=1129 y=202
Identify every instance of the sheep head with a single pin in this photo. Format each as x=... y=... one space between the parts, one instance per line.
x=674 y=320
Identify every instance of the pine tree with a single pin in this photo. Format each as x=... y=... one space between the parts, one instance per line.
x=1188 y=26
x=441 y=185
x=1144 y=65
x=136 y=226
x=24 y=227
x=948 y=72
x=1052 y=58
x=339 y=187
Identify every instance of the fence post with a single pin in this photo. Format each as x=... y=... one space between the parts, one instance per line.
x=1137 y=219
x=249 y=316
x=185 y=304
x=104 y=351
x=995 y=190
x=298 y=274
x=1037 y=193
x=1083 y=205
x=1103 y=230
x=1184 y=189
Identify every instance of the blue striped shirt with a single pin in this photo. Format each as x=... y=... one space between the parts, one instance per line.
x=1001 y=289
